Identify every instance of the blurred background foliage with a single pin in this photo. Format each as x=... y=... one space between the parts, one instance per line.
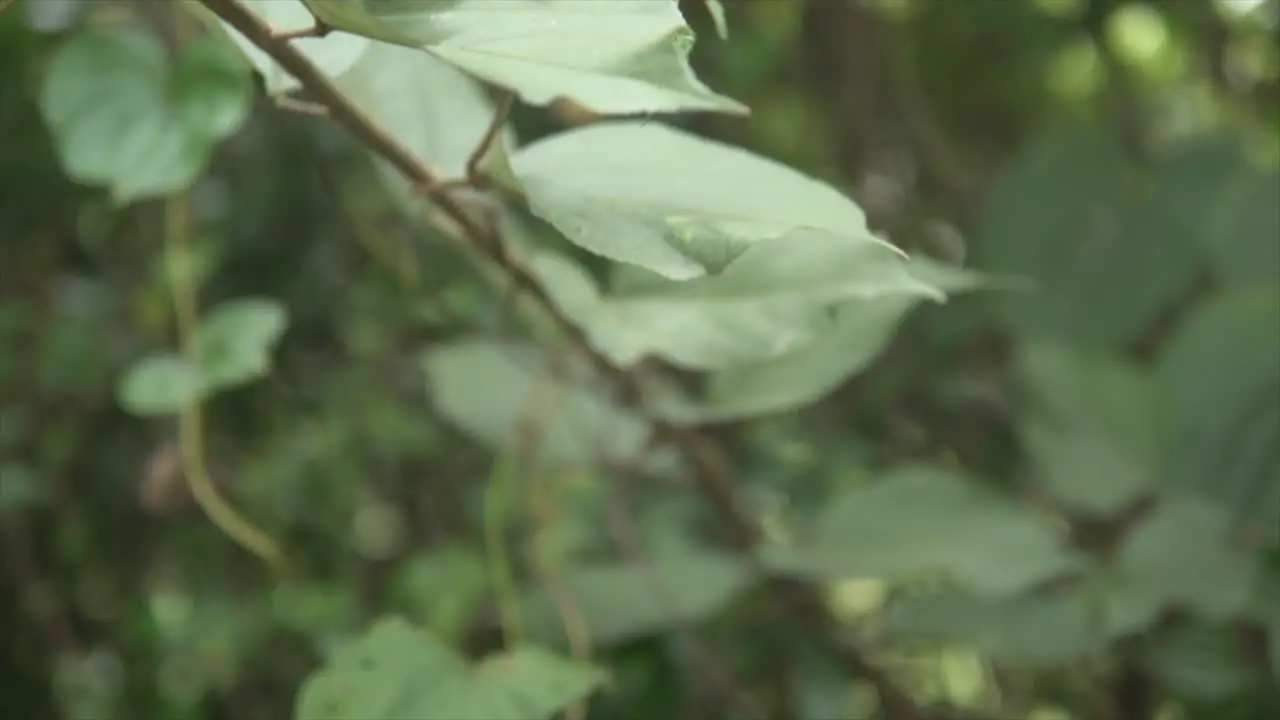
x=1121 y=155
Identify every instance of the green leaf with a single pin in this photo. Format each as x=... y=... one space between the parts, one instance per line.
x=616 y=57
x=1199 y=662
x=1086 y=471
x=649 y=195
x=1094 y=435
x=1029 y=631
x=1219 y=383
x=1245 y=242
x=918 y=521
x=400 y=89
x=1186 y=554
x=236 y=339
x=695 y=335
x=489 y=388
x=858 y=332
x=1082 y=389
x=717 y=18
x=1108 y=247
x=623 y=601
x=121 y=117
x=814 y=266
x=396 y=671
x=332 y=54
x=160 y=385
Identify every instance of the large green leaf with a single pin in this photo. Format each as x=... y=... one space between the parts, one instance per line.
x=333 y=53
x=678 y=205
x=1187 y=554
x=435 y=111
x=1093 y=434
x=858 y=332
x=1108 y=247
x=396 y=671
x=1220 y=380
x=615 y=57
x=488 y=388
x=690 y=333
x=917 y=521
x=123 y=118
x=620 y=602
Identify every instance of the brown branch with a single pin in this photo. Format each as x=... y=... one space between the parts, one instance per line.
x=711 y=471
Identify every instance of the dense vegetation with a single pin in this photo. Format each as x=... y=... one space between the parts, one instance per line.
x=915 y=359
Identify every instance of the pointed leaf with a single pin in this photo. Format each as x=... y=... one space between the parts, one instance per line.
x=647 y=194
x=858 y=333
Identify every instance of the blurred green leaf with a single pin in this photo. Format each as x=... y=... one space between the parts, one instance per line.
x=488 y=388
x=235 y=341
x=1186 y=554
x=123 y=118
x=920 y=521
x=395 y=671
x=1219 y=378
x=617 y=57
x=620 y=602
x=1029 y=631
x=1199 y=662
x=1093 y=431
x=160 y=385
x=1109 y=247
x=678 y=205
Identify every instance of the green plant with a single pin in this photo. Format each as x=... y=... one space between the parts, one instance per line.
x=681 y=301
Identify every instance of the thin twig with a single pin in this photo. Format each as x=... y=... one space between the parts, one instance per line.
x=711 y=471
x=318 y=29
x=500 y=113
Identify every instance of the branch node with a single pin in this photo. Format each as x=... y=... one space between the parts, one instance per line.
x=305 y=107
x=318 y=29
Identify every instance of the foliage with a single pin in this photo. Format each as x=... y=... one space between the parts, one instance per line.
x=550 y=380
